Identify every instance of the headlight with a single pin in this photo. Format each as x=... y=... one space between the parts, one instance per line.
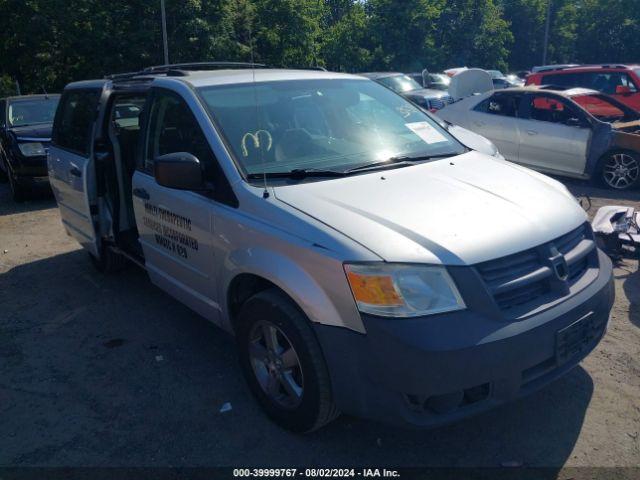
x=400 y=290
x=33 y=149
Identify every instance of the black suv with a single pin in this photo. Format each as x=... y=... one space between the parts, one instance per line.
x=25 y=134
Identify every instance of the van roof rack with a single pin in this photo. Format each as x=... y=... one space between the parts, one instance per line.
x=194 y=66
x=309 y=67
x=181 y=69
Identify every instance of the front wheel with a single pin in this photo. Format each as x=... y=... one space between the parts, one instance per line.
x=18 y=191
x=619 y=170
x=283 y=363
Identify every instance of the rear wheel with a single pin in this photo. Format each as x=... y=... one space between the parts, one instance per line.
x=620 y=170
x=283 y=363
x=108 y=261
x=3 y=170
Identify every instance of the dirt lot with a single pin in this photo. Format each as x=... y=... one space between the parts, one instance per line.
x=108 y=370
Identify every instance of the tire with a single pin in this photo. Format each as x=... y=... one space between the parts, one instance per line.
x=3 y=173
x=619 y=170
x=297 y=397
x=109 y=261
x=18 y=192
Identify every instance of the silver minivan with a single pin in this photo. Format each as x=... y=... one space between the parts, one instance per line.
x=369 y=258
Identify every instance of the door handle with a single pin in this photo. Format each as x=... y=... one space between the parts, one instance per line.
x=141 y=193
x=478 y=123
x=532 y=132
x=75 y=171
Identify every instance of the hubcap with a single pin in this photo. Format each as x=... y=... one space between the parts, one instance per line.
x=621 y=171
x=276 y=364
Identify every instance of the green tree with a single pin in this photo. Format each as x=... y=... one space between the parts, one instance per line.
x=402 y=32
x=608 y=30
x=7 y=86
x=527 y=19
x=563 y=33
x=473 y=33
x=346 y=40
x=288 y=32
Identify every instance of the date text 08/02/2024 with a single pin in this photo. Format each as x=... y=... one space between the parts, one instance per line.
x=315 y=473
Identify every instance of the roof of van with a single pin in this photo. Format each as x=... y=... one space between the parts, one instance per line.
x=224 y=77
x=204 y=78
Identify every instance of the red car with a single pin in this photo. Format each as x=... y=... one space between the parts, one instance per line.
x=620 y=81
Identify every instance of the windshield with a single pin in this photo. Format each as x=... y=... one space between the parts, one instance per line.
x=32 y=112
x=605 y=109
x=439 y=81
x=440 y=78
x=496 y=74
x=321 y=125
x=400 y=83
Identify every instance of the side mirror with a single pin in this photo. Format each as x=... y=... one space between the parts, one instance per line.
x=179 y=170
x=623 y=90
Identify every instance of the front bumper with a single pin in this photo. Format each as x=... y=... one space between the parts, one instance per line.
x=438 y=369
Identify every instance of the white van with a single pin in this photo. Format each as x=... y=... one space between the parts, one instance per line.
x=368 y=258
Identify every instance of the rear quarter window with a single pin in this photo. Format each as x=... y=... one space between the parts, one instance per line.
x=74 y=120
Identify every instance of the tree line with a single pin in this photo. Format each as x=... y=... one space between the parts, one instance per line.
x=46 y=43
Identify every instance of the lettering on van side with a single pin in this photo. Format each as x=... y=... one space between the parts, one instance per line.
x=168 y=237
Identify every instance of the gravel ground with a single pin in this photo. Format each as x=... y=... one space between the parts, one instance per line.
x=108 y=370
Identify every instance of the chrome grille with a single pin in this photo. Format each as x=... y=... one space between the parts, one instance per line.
x=524 y=277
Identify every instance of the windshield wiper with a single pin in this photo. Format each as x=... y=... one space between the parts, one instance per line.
x=397 y=161
x=297 y=174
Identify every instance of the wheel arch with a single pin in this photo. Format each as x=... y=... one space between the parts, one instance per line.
x=259 y=269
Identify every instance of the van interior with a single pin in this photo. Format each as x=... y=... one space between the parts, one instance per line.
x=116 y=157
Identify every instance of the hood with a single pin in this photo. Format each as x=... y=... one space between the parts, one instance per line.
x=455 y=211
x=42 y=131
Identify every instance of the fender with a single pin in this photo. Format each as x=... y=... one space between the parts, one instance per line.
x=288 y=275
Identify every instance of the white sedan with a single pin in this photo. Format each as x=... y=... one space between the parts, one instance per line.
x=576 y=132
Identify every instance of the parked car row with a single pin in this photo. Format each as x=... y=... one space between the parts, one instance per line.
x=581 y=134
x=571 y=132
x=429 y=98
x=558 y=129
x=369 y=257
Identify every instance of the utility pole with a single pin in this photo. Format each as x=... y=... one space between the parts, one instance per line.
x=546 y=34
x=164 y=33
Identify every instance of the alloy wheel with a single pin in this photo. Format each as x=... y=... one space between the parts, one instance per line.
x=621 y=171
x=276 y=364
